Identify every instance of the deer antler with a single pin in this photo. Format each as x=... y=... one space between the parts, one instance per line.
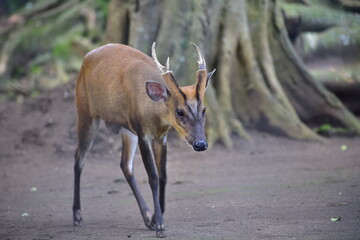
x=163 y=69
x=201 y=59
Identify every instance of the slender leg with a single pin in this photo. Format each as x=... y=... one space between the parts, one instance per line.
x=160 y=148
x=130 y=141
x=148 y=159
x=86 y=131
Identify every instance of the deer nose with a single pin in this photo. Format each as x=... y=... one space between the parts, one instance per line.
x=200 y=145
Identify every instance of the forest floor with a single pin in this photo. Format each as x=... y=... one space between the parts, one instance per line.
x=270 y=188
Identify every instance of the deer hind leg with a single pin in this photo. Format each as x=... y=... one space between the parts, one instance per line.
x=130 y=141
x=87 y=128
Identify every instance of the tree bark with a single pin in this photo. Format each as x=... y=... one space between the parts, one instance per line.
x=257 y=68
x=308 y=96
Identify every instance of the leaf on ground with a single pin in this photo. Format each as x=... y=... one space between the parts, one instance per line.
x=335 y=219
x=112 y=191
x=343 y=147
x=119 y=180
x=33 y=189
x=25 y=214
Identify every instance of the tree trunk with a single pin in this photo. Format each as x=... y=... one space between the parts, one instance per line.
x=257 y=68
x=308 y=96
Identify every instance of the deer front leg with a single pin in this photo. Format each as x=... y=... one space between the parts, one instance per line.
x=148 y=159
x=160 y=148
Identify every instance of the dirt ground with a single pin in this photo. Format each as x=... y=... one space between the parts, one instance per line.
x=270 y=188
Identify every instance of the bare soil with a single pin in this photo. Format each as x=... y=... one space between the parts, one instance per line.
x=270 y=188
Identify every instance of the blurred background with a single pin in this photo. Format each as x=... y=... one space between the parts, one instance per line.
x=288 y=67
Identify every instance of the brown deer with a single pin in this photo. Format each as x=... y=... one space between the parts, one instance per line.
x=137 y=96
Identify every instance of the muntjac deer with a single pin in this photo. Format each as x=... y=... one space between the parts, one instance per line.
x=137 y=96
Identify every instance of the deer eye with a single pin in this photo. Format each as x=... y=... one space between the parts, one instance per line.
x=180 y=112
x=204 y=111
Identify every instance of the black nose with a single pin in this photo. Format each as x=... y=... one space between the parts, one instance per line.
x=200 y=145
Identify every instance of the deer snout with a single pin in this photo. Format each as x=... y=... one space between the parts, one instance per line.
x=200 y=145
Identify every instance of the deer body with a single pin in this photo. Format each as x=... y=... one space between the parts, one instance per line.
x=137 y=96
x=113 y=85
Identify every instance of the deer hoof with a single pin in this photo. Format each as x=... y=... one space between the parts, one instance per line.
x=77 y=218
x=160 y=233
x=152 y=225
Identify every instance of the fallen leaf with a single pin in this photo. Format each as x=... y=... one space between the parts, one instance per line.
x=119 y=180
x=335 y=219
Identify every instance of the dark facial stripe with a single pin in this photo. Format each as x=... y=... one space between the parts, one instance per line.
x=198 y=98
x=183 y=94
x=173 y=79
x=187 y=105
x=177 y=85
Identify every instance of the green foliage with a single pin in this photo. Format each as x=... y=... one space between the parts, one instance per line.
x=328 y=130
x=36 y=70
x=34 y=93
x=102 y=6
x=324 y=127
x=62 y=48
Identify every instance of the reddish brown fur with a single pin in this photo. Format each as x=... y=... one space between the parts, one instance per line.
x=111 y=86
x=190 y=92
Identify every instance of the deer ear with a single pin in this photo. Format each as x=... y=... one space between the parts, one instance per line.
x=157 y=91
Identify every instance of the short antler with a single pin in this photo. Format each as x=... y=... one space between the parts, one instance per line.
x=163 y=69
x=201 y=59
x=166 y=73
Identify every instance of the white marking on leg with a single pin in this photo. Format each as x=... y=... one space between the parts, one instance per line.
x=133 y=139
x=91 y=136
